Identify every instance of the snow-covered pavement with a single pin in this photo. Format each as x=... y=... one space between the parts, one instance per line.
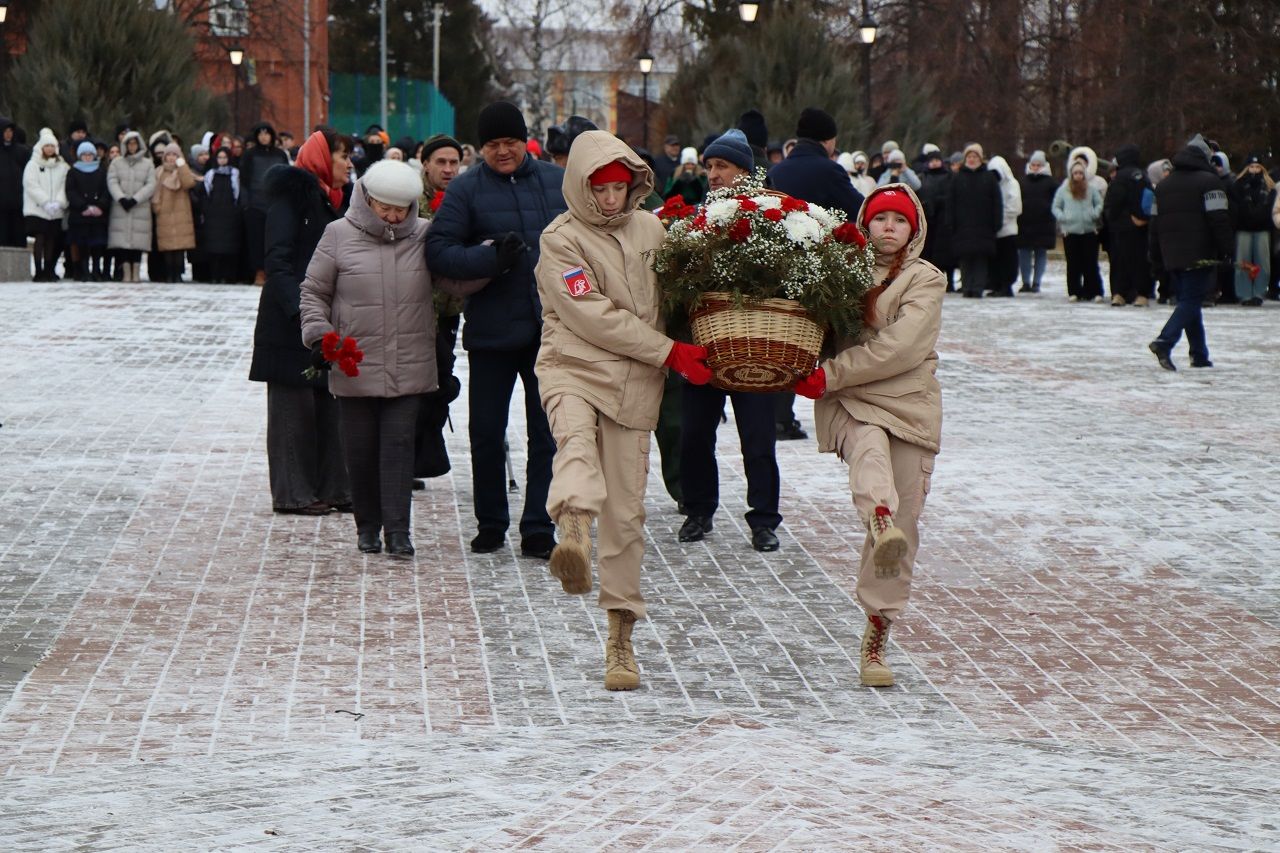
x=1091 y=659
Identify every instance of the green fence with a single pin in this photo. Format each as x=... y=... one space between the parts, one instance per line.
x=414 y=107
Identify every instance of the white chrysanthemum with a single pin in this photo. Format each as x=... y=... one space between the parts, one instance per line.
x=802 y=228
x=767 y=202
x=721 y=213
x=825 y=218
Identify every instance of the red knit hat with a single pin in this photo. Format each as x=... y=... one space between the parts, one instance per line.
x=896 y=201
x=615 y=171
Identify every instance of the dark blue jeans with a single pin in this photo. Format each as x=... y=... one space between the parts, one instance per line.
x=492 y=380
x=699 y=475
x=1190 y=288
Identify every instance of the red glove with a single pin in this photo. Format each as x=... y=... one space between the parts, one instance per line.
x=690 y=362
x=812 y=386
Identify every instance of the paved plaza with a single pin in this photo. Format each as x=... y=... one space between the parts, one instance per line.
x=1091 y=660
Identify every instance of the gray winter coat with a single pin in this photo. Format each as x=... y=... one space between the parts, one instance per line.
x=131 y=176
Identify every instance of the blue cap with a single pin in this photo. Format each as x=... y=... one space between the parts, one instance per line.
x=732 y=146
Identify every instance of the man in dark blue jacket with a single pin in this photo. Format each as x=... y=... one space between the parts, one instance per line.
x=810 y=174
x=488 y=227
x=1190 y=230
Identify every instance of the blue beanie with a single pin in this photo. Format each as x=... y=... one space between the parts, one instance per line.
x=731 y=146
x=86 y=147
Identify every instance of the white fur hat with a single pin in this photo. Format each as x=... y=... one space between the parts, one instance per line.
x=392 y=182
x=688 y=155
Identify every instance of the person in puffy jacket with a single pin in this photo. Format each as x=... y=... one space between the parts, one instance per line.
x=878 y=406
x=13 y=160
x=600 y=374
x=1077 y=206
x=1004 y=267
x=175 y=219
x=368 y=280
x=304 y=442
x=89 y=202
x=220 y=217
x=44 y=202
x=254 y=164
x=1126 y=223
x=131 y=180
x=488 y=227
x=975 y=212
x=1037 y=230
x=1254 y=194
x=935 y=180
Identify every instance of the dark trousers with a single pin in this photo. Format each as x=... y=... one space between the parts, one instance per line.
x=13 y=231
x=1130 y=271
x=974 y=274
x=304 y=447
x=1004 y=266
x=492 y=381
x=255 y=235
x=48 y=239
x=699 y=475
x=1084 y=279
x=431 y=455
x=377 y=442
x=1192 y=288
x=668 y=434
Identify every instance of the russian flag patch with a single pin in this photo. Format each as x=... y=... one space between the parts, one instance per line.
x=575 y=280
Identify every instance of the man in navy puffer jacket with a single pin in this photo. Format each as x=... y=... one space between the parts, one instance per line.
x=489 y=227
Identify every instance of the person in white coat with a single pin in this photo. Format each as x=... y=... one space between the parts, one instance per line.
x=862 y=182
x=44 y=202
x=1004 y=269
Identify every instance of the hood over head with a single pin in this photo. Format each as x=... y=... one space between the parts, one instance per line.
x=262 y=125
x=860 y=155
x=591 y=151
x=1000 y=166
x=1037 y=156
x=915 y=246
x=1221 y=161
x=124 y=146
x=361 y=215
x=1090 y=158
x=1128 y=155
x=1155 y=170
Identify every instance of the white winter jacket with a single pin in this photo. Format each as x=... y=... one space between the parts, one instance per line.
x=1010 y=193
x=44 y=181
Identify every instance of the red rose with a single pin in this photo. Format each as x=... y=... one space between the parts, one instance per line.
x=740 y=230
x=849 y=233
x=773 y=214
x=789 y=204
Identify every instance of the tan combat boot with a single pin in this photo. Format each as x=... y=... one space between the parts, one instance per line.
x=1142 y=302
x=571 y=560
x=888 y=544
x=873 y=671
x=620 y=669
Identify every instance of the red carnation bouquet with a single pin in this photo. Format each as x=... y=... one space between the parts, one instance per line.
x=344 y=352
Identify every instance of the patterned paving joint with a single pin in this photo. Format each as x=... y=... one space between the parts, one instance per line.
x=1088 y=660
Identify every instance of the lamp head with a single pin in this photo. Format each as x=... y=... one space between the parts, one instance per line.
x=748 y=11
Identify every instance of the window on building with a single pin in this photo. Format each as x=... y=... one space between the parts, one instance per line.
x=229 y=18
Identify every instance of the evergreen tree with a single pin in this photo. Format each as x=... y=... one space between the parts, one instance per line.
x=107 y=61
x=466 y=72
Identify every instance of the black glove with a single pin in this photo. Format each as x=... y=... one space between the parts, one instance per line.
x=317 y=357
x=128 y=203
x=510 y=247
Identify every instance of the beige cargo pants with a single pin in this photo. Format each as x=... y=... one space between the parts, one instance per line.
x=602 y=469
x=884 y=471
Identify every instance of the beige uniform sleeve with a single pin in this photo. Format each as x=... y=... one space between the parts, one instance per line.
x=901 y=346
x=593 y=316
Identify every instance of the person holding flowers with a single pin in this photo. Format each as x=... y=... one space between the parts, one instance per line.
x=600 y=377
x=879 y=408
x=368 y=282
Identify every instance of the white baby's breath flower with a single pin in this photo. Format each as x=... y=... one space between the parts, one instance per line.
x=722 y=212
x=802 y=228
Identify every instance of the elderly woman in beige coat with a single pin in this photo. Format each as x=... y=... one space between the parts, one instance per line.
x=171 y=203
x=879 y=408
x=368 y=280
x=600 y=376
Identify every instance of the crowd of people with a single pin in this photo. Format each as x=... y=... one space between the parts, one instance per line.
x=372 y=257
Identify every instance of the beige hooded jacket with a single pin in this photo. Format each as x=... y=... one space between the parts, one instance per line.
x=886 y=376
x=601 y=337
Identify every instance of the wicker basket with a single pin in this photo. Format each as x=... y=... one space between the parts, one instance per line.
x=762 y=346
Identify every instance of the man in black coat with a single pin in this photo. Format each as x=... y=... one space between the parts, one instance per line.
x=1190 y=230
x=489 y=226
x=809 y=173
x=13 y=159
x=935 y=179
x=257 y=160
x=1127 y=230
x=975 y=212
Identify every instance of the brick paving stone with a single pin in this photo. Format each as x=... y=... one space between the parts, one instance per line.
x=1088 y=662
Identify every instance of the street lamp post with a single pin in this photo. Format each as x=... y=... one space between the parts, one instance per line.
x=646 y=65
x=867 y=33
x=4 y=10
x=237 y=57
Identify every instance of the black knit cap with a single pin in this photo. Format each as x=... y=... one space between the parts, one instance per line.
x=501 y=120
x=816 y=124
x=752 y=124
x=435 y=143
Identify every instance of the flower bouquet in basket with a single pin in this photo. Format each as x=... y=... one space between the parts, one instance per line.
x=763 y=277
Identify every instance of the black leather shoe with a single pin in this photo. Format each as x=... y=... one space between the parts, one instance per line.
x=1205 y=363
x=488 y=541
x=1162 y=355
x=537 y=545
x=419 y=485
x=791 y=432
x=764 y=539
x=399 y=545
x=369 y=542
x=694 y=528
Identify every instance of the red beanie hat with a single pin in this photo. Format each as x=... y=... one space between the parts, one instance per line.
x=896 y=201
x=615 y=171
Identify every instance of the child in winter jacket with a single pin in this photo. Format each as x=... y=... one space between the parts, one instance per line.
x=600 y=377
x=44 y=202
x=879 y=408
